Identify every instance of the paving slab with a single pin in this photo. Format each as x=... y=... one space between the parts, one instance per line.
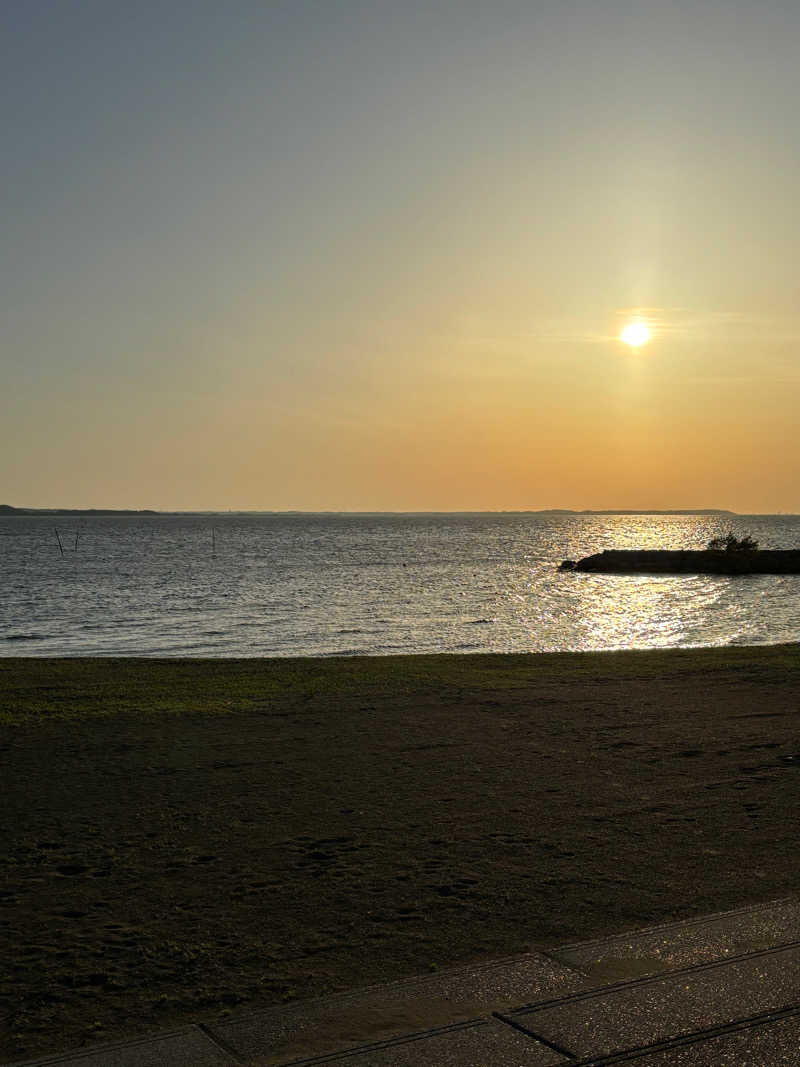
x=483 y=1043
x=339 y=1023
x=674 y=946
x=652 y=1010
x=187 y=1047
x=773 y=1044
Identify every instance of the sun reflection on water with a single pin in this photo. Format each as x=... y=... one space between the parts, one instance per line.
x=322 y=585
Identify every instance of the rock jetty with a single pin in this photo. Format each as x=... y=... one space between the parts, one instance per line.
x=641 y=561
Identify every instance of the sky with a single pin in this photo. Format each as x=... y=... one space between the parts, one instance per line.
x=363 y=256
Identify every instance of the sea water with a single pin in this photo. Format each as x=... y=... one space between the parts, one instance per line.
x=301 y=584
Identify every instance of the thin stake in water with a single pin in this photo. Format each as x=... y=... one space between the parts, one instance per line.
x=59 y=543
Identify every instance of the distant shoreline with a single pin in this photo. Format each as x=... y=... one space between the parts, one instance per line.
x=7 y=509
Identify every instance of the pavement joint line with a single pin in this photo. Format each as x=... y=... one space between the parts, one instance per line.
x=414 y=979
x=736 y=1026
x=709 y=965
x=63 y=1059
x=700 y=920
x=532 y=1033
x=220 y=1042
x=391 y=1042
x=552 y=957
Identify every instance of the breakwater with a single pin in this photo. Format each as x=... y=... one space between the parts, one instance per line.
x=634 y=561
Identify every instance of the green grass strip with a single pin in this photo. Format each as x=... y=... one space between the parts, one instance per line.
x=45 y=690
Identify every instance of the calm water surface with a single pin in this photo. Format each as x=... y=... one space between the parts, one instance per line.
x=285 y=585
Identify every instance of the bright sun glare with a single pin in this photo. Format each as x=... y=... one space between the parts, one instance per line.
x=635 y=334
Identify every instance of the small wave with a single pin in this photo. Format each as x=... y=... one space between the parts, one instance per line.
x=25 y=637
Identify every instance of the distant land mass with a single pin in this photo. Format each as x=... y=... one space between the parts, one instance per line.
x=627 y=511
x=7 y=509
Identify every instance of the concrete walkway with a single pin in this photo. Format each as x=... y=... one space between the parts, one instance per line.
x=722 y=990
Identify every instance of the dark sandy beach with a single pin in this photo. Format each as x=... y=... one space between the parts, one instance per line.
x=186 y=838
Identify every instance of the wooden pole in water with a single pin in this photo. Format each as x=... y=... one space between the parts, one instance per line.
x=59 y=543
x=77 y=533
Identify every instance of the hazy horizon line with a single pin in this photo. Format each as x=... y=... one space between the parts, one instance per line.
x=44 y=510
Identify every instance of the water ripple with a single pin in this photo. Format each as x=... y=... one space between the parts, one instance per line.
x=350 y=585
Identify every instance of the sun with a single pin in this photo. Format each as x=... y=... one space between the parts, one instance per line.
x=635 y=334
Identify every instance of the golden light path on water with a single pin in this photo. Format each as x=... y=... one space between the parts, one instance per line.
x=645 y=611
